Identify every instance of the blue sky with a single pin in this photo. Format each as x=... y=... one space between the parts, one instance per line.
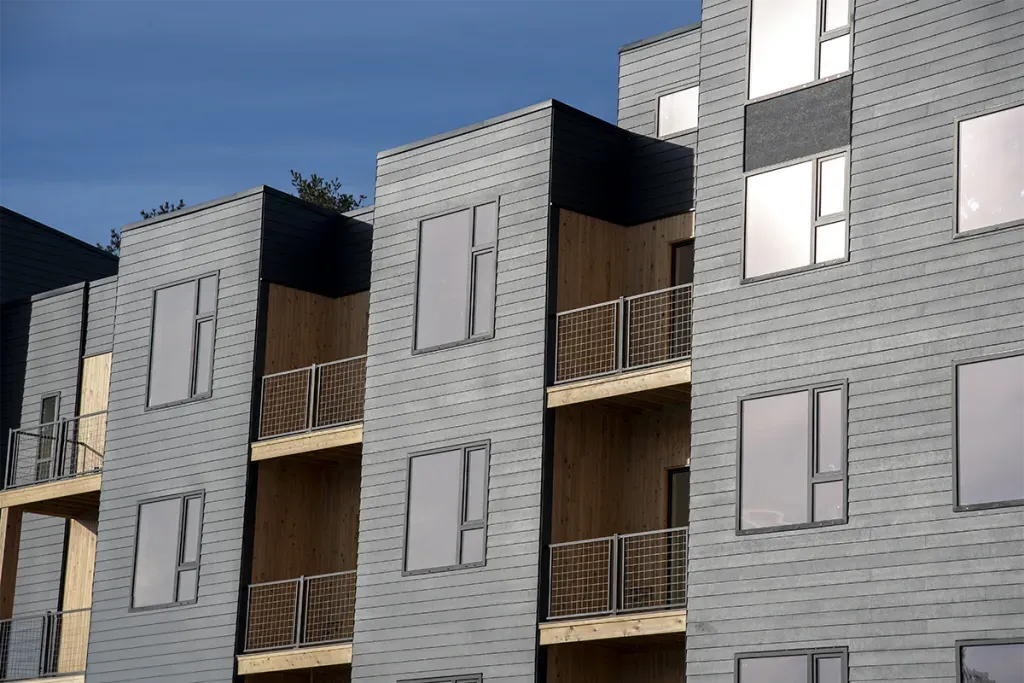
x=107 y=108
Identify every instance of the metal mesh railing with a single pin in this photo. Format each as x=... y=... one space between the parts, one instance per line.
x=626 y=334
x=621 y=573
x=56 y=450
x=311 y=610
x=316 y=397
x=50 y=644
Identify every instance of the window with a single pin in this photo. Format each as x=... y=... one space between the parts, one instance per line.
x=677 y=112
x=181 y=349
x=989 y=432
x=455 y=282
x=990 y=662
x=794 y=42
x=167 y=544
x=990 y=170
x=466 y=678
x=795 y=216
x=46 y=448
x=446 y=509
x=793 y=459
x=682 y=263
x=809 y=666
x=679 y=498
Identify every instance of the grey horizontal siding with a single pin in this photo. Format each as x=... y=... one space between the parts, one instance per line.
x=906 y=576
x=200 y=445
x=480 y=620
x=99 y=319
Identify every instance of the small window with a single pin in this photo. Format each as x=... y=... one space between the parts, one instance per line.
x=991 y=662
x=989 y=432
x=795 y=42
x=181 y=348
x=456 y=277
x=677 y=112
x=793 y=459
x=682 y=263
x=679 y=498
x=990 y=170
x=796 y=216
x=447 y=509
x=812 y=666
x=167 y=547
x=47 y=446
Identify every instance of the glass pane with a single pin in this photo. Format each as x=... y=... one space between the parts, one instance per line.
x=773 y=473
x=204 y=357
x=828 y=501
x=835 y=56
x=677 y=112
x=783 y=38
x=187 y=581
x=193 y=522
x=679 y=498
x=48 y=409
x=778 y=208
x=837 y=14
x=832 y=186
x=485 y=224
x=682 y=264
x=472 y=546
x=443 y=286
x=788 y=669
x=990 y=439
x=483 y=293
x=207 y=295
x=476 y=484
x=830 y=432
x=171 y=354
x=433 y=520
x=830 y=242
x=829 y=670
x=993 y=663
x=156 y=559
x=991 y=170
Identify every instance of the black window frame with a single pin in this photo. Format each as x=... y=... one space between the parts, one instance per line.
x=813 y=478
x=955 y=429
x=464 y=524
x=47 y=456
x=197 y=318
x=180 y=566
x=813 y=654
x=689 y=85
x=474 y=250
x=979 y=642
x=670 y=473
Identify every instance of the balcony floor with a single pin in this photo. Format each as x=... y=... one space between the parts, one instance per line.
x=296 y=658
x=62 y=498
x=617 y=626
x=324 y=442
x=68 y=678
x=661 y=385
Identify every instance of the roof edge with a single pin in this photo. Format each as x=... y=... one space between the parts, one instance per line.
x=259 y=189
x=644 y=42
x=60 y=233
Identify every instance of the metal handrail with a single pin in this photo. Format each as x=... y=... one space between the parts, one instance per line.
x=622 y=573
x=628 y=333
x=63 y=449
x=318 y=396
x=49 y=644
x=306 y=611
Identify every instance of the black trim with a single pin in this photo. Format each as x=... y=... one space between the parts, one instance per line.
x=961 y=644
x=812 y=654
x=179 y=566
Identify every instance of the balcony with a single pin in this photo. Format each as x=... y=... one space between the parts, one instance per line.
x=299 y=623
x=51 y=646
x=55 y=468
x=632 y=345
x=314 y=408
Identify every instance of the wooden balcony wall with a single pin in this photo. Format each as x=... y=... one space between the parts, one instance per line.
x=601 y=663
x=324 y=675
x=305 y=328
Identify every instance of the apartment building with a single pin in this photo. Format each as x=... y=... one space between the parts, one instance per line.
x=730 y=391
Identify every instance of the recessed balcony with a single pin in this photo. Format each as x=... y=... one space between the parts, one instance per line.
x=50 y=646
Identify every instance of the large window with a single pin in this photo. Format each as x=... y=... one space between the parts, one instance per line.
x=677 y=112
x=181 y=348
x=793 y=459
x=989 y=432
x=990 y=170
x=167 y=543
x=808 y=666
x=456 y=276
x=990 y=662
x=796 y=216
x=794 y=42
x=446 y=509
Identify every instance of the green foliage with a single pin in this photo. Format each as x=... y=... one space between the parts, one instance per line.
x=114 y=246
x=325 y=193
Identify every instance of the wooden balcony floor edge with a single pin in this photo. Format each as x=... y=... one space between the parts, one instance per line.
x=66 y=678
x=616 y=626
x=308 y=442
x=630 y=382
x=38 y=497
x=296 y=658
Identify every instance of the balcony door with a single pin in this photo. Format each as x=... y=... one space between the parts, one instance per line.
x=678 y=516
x=46 y=449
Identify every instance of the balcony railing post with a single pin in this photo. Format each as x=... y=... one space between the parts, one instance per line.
x=622 y=339
x=12 y=457
x=299 y=600
x=614 y=597
x=311 y=398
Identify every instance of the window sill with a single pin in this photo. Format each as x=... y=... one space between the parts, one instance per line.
x=671 y=137
x=440 y=570
x=791 y=527
x=797 y=88
x=795 y=271
x=452 y=345
x=184 y=401
x=166 y=605
x=988 y=506
x=988 y=230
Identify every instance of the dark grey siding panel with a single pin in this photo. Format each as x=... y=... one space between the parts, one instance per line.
x=99 y=319
x=588 y=165
x=906 y=576
x=36 y=258
x=354 y=247
x=199 y=445
x=798 y=124
x=40 y=563
x=409 y=627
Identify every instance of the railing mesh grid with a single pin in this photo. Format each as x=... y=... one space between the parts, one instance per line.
x=303 y=611
x=587 y=342
x=341 y=387
x=316 y=397
x=272 y=615
x=45 y=645
x=56 y=450
x=658 y=327
x=580 y=577
x=285 y=403
x=653 y=570
x=330 y=608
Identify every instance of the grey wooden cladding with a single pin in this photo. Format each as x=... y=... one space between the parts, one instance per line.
x=99 y=317
x=907 y=576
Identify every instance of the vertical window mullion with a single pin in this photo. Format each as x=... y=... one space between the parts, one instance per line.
x=820 y=23
x=181 y=545
x=812 y=451
x=471 y=280
x=463 y=474
x=815 y=208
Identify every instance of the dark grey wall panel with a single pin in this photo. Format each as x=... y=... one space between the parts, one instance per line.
x=483 y=619
x=588 y=165
x=99 y=318
x=199 y=445
x=798 y=124
x=906 y=576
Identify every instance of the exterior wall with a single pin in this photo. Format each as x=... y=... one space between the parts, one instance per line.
x=99 y=319
x=178 y=449
x=906 y=576
x=480 y=620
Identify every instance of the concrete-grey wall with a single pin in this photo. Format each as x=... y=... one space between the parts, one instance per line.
x=906 y=576
x=479 y=620
x=99 y=318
